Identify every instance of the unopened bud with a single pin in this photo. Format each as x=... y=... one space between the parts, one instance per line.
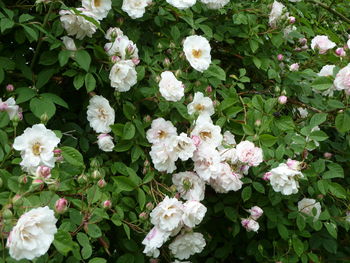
x=107 y=204
x=61 y=205
x=196 y=140
x=136 y=61
x=157 y=79
x=282 y=99
x=43 y=171
x=120 y=21
x=257 y=123
x=340 y=52
x=7 y=214
x=143 y=216
x=294 y=67
x=166 y=62
x=172 y=45
x=147 y=118
x=159 y=46
x=154 y=260
x=327 y=155
x=82 y=179
x=149 y=206
x=57 y=151
x=209 y=89
x=267 y=176
x=17 y=199
x=277 y=89
x=94 y=163
x=54 y=186
x=178 y=73
x=115 y=59
x=291 y=19
x=44 y=118
x=96 y=174
x=37 y=182
x=279 y=57
x=302 y=41
x=10 y=88
x=23 y=179
x=3 y=106
x=197 y=83
x=101 y=183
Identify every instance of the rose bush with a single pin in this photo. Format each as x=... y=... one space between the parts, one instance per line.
x=174 y=131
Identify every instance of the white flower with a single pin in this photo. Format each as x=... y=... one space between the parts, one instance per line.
x=171 y=88
x=197 y=51
x=326 y=71
x=209 y=133
x=135 y=8
x=294 y=67
x=113 y=32
x=206 y=162
x=307 y=205
x=123 y=75
x=215 y=4
x=229 y=155
x=229 y=138
x=201 y=105
x=182 y=4
x=154 y=240
x=285 y=180
x=33 y=234
x=105 y=142
x=189 y=185
x=184 y=147
x=99 y=8
x=167 y=215
x=77 y=25
x=36 y=145
x=255 y=212
x=100 y=114
x=193 y=213
x=164 y=155
x=303 y=112
x=250 y=224
x=249 y=154
x=69 y=43
x=123 y=48
x=322 y=43
x=342 y=79
x=226 y=180
x=160 y=130
x=276 y=13
x=293 y=164
x=186 y=245
x=10 y=107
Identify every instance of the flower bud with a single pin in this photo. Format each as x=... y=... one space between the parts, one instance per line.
x=23 y=179
x=7 y=214
x=143 y=216
x=209 y=89
x=101 y=183
x=115 y=59
x=159 y=46
x=166 y=62
x=61 y=205
x=197 y=83
x=82 y=179
x=178 y=73
x=37 y=182
x=302 y=41
x=54 y=185
x=149 y=206
x=157 y=79
x=17 y=200
x=147 y=118
x=10 y=88
x=120 y=21
x=43 y=171
x=3 y=106
x=340 y=52
x=94 y=163
x=279 y=57
x=44 y=118
x=154 y=260
x=267 y=176
x=255 y=212
x=293 y=164
x=294 y=67
x=107 y=204
x=257 y=123
x=250 y=224
x=196 y=140
x=327 y=155
x=136 y=61
x=96 y=174
x=291 y=19
x=57 y=151
x=282 y=99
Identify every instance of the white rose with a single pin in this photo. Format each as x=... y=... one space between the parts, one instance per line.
x=77 y=25
x=123 y=75
x=197 y=51
x=182 y=4
x=99 y=8
x=215 y=4
x=307 y=205
x=322 y=43
x=186 y=245
x=184 y=147
x=171 y=88
x=226 y=180
x=255 y=212
x=33 y=234
x=160 y=130
x=100 y=114
x=135 y=8
x=193 y=213
x=105 y=142
x=69 y=43
x=113 y=32
x=326 y=71
x=201 y=105
x=285 y=180
x=249 y=154
x=189 y=185
x=10 y=107
x=250 y=225
x=123 y=48
x=167 y=215
x=164 y=155
x=342 y=79
x=206 y=162
x=276 y=13
x=229 y=155
x=209 y=133
x=154 y=240
x=36 y=145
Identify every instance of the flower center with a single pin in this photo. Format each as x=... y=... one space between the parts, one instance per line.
x=97 y=3
x=103 y=114
x=205 y=135
x=199 y=107
x=36 y=148
x=197 y=53
x=162 y=134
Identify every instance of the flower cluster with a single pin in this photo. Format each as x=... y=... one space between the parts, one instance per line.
x=124 y=55
x=250 y=223
x=171 y=217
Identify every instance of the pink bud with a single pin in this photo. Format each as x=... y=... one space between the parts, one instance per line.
x=107 y=204
x=196 y=140
x=136 y=61
x=3 y=106
x=143 y=216
x=255 y=212
x=38 y=182
x=293 y=164
x=147 y=118
x=20 y=114
x=257 y=123
x=149 y=206
x=209 y=89
x=340 y=52
x=294 y=67
x=282 y=99
x=130 y=49
x=166 y=62
x=302 y=41
x=57 y=151
x=291 y=20
x=267 y=176
x=115 y=59
x=43 y=171
x=327 y=155
x=61 y=205
x=101 y=183
x=10 y=88
x=279 y=57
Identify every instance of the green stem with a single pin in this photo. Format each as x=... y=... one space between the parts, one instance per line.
x=334 y=12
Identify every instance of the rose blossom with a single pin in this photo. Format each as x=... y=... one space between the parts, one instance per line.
x=123 y=75
x=342 y=79
x=340 y=52
x=99 y=8
x=276 y=13
x=181 y=4
x=294 y=67
x=197 y=51
x=255 y=212
x=170 y=88
x=282 y=99
x=249 y=154
x=215 y=4
x=189 y=185
x=100 y=114
x=322 y=43
x=186 y=245
x=285 y=180
x=154 y=240
x=105 y=142
x=135 y=8
x=160 y=131
x=201 y=105
x=193 y=213
x=250 y=225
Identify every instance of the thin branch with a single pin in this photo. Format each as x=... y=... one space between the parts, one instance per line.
x=303 y=105
x=331 y=10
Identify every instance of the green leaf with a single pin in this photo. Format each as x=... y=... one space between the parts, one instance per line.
x=72 y=156
x=283 y=231
x=90 y=82
x=332 y=229
x=4 y=119
x=63 y=242
x=63 y=57
x=300 y=222
x=298 y=246
x=6 y=23
x=267 y=140
x=94 y=231
x=31 y=33
x=216 y=72
x=55 y=99
x=337 y=190
x=175 y=33
x=318 y=136
x=246 y=193
x=78 y=81
x=335 y=171
x=124 y=183
x=206 y=30
x=128 y=131
x=41 y=107
x=83 y=58
x=86 y=252
x=25 y=18
x=43 y=77
x=127 y=230
x=322 y=83
x=126 y=258
x=97 y=260
x=342 y=121
x=317 y=119
x=141 y=197
x=259 y=187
